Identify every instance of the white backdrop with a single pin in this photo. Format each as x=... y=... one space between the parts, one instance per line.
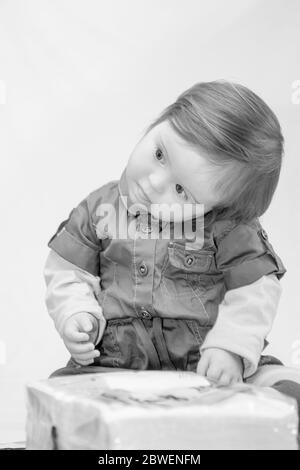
x=79 y=82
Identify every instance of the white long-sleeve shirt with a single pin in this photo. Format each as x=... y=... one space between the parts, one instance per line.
x=245 y=315
x=71 y=290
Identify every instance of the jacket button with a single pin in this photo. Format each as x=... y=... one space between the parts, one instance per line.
x=145 y=314
x=264 y=234
x=189 y=260
x=143 y=269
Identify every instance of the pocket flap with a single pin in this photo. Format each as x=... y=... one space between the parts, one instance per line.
x=190 y=260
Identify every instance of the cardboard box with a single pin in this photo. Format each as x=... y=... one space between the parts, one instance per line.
x=156 y=410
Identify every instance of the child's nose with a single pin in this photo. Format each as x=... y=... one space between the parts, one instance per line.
x=158 y=181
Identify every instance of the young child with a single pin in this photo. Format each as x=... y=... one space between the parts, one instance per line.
x=145 y=302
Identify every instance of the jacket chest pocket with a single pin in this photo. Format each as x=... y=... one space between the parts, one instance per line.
x=185 y=270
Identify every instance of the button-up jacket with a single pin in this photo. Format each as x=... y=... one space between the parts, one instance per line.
x=220 y=290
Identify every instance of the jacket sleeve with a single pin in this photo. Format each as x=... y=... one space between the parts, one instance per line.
x=71 y=290
x=245 y=254
x=245 y=318
x=76 y=239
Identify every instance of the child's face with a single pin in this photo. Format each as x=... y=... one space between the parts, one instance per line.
x=169 y=171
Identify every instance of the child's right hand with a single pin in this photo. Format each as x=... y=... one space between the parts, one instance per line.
x=79 y=335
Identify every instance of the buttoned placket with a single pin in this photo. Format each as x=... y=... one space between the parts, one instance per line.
x=144 y=249
x=144 y=260
x=143 y=265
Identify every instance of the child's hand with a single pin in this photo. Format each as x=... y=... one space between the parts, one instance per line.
x=79 y=335
x=221 y=366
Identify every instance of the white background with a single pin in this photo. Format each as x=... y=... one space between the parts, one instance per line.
x=79 y=82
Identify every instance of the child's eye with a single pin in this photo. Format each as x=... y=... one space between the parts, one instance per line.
x=158 y=154
x=181 y=191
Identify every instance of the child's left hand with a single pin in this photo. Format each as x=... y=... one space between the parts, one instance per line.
x=221 y=366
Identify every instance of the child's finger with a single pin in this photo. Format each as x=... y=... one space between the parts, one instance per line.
x=72 y=334
x=202 y=366
x=236 y=379
x=79 y=348
x=85 y=324
x=213 y=373
x=225 y=379
x=88 y=355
